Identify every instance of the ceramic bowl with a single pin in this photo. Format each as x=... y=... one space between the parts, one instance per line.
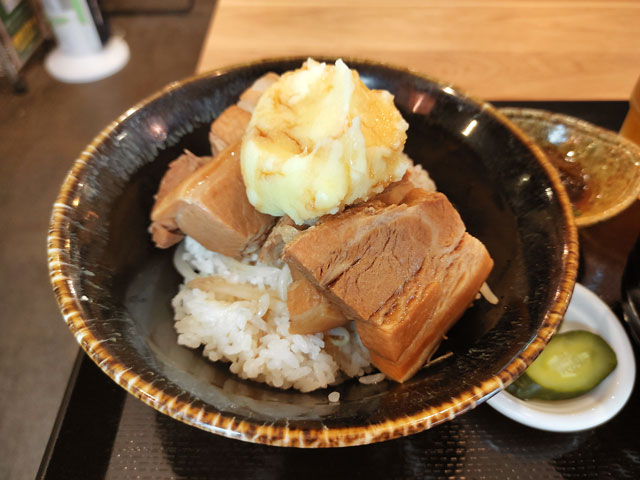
x=114 y=288
x=599 y=168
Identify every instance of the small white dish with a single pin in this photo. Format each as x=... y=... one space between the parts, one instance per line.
x=586 y=312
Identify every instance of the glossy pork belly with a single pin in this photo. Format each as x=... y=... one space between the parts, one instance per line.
x=405 y=273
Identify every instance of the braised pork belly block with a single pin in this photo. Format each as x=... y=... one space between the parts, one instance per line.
x=282 y=233
x=211 y=206
x=165 y=232
x=414 y=177
x=451 y=286
x=230 y=126
x=405 y=273
x=226 y=130
x=309 y=310
x=249 y=98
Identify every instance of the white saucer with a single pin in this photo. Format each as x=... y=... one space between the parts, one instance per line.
x=586 y=312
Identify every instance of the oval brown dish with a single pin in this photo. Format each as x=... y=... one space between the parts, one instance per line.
x=114 y=288
x=599 y=169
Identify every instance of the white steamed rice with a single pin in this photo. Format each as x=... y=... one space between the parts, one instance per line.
x=247 y=323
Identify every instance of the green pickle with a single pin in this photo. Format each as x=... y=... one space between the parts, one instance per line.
x=572 y=364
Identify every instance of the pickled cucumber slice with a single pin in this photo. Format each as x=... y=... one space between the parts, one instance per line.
x=572 y=364
x=526 y=389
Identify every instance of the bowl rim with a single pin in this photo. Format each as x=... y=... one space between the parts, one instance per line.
x=605 y=135
x=204 y=416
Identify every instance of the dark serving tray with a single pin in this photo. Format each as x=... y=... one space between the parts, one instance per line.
x=102 y=432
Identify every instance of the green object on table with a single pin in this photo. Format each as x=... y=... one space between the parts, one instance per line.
x=572 y=364
x=78 y=7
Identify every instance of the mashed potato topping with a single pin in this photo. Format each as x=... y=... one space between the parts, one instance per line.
x=319 y=140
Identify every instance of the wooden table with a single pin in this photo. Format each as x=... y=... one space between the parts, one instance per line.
x=494 y=49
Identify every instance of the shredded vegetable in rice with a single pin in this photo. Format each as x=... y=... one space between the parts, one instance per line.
x=237 y=311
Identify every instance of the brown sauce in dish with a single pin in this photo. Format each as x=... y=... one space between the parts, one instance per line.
x=575 y=179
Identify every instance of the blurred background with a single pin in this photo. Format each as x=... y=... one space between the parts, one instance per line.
x=120 y=51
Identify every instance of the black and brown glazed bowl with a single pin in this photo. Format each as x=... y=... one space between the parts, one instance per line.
x=114 y=288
